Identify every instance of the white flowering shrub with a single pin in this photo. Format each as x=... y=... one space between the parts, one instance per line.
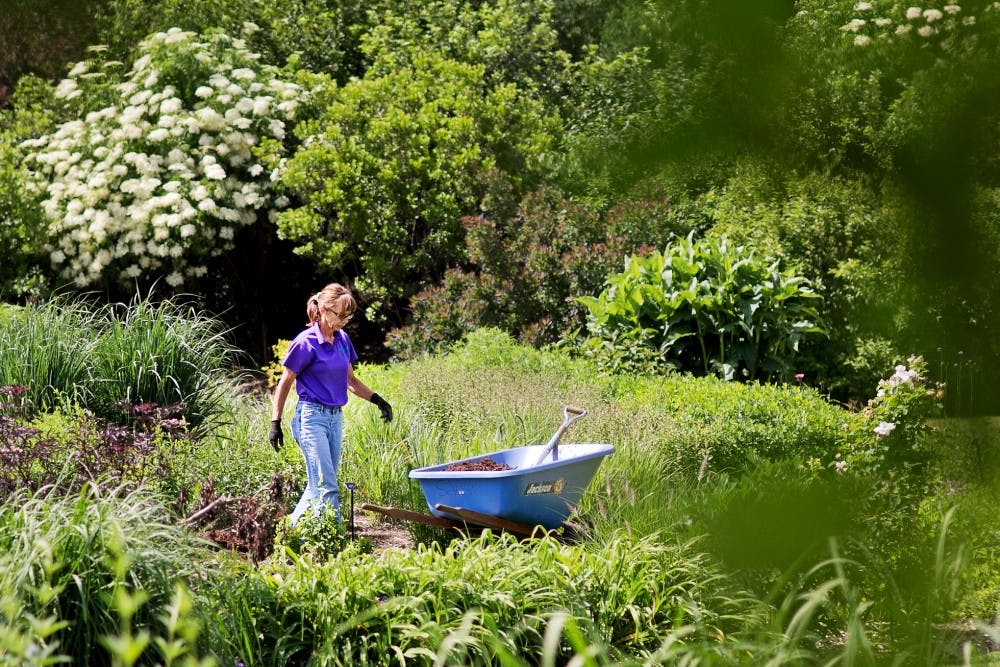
x=884 y=22
x=160 y=180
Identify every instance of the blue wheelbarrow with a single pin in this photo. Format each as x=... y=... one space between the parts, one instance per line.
x=514 y=490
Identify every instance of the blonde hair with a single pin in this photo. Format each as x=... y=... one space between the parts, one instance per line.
x=332 y=297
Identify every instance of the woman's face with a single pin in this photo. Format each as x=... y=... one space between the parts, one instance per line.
x=334 y=319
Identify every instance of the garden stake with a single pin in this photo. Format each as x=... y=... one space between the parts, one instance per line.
x=351 y=486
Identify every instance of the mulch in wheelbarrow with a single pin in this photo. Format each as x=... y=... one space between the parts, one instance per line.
x=485 y=464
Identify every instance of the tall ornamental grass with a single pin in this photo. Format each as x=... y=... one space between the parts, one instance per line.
x=45 y=348
x=162 y=353
x=141 y=352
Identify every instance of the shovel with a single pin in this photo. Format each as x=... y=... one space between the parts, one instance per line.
x=553 y=443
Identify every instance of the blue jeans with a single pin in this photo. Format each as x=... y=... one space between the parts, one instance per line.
x=318 y=430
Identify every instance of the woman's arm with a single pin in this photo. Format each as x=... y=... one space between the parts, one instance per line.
x=360 y=389
x=356 y=386
x=281 y=393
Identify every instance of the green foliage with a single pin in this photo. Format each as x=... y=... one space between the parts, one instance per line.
x=96 y=569
x=397 y=158
x=842 y=239
x=476 y=600
x=69 y=448
x=162 y=165
x=274 y=369
x=900 y=100
x=514 y=41
x=527 y=266
x=690 y=453
x=321 y=535
x=44 y=348
x=489 y=393
x=610 y=109
x=162 y=353
x=322 y=36
x=704 y=307
x=22 y=222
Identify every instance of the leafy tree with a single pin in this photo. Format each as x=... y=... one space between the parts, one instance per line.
x=898 y=101
x=384 y=177
x=322 y=36
x=927 y=142
x=513 y=40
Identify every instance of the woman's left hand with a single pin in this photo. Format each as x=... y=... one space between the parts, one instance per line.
x=383 y=406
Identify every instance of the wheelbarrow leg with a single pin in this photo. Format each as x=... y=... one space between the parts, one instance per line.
x=519 y=529
x=416 y=517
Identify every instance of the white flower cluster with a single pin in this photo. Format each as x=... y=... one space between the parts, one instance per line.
x=884 y=428
x=901 y=376
x=924 y=22
x=158 y=182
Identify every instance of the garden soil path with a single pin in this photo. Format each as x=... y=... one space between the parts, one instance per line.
x=383 y=535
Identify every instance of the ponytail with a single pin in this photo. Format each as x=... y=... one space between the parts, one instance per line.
x=312 y=308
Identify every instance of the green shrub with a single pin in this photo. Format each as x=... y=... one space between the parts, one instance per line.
x=528 y=265
x=397 y=158
x=705 y=307
x=321 y=36
x=842 y=236
x=322 y=536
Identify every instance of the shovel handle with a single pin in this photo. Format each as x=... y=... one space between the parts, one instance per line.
x=552 y=445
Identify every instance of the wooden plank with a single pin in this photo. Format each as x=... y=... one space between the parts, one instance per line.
x=417 y=517
x=488 y=520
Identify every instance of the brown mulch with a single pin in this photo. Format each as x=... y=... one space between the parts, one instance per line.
x=485 y=464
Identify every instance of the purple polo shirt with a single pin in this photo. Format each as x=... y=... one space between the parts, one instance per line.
x=320 y=367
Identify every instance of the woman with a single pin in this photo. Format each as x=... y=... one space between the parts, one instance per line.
x=320 y=363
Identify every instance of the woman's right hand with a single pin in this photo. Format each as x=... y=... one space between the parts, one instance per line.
x=276 y=437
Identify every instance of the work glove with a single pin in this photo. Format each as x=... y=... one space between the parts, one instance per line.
x=275 y=436
x=384 y=406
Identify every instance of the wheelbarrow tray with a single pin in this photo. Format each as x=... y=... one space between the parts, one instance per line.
x=536 y=494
